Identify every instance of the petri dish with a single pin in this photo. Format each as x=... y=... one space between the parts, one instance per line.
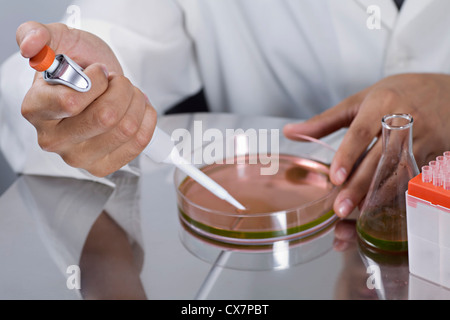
x=292 y=203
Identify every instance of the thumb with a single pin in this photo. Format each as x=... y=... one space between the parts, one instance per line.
x=83 y=47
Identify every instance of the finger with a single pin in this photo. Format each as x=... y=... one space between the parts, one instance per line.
x=82 y=47
x=102 y=115
x=129 y=151
x=333 y=119
x=125 y=131
x=426 y=150
x=345 y=230
x=354 y=191
x=56 y=102
x=345 y=235
x=365 y=127
x=31 y=38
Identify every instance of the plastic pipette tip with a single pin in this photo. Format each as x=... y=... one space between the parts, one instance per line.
x=203 y=179
x=43 y=60
x=235 y=203
x=162 y=149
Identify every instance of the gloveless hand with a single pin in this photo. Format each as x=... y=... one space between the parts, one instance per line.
x=99 y=131
x=425 y=96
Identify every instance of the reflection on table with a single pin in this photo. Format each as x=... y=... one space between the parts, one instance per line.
x=129 y=243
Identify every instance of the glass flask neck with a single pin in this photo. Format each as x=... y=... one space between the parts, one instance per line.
x=397 y=133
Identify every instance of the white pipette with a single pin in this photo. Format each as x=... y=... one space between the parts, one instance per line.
x=161 y=149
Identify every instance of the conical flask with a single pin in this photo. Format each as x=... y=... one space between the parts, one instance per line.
x=382 y=222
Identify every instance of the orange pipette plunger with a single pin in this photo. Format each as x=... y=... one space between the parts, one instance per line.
x=43 y=60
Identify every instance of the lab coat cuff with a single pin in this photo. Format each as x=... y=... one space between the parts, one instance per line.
x=51 y=165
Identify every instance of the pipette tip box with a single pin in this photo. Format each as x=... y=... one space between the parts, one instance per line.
x=428 y=221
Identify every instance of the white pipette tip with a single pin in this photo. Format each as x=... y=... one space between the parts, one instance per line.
x=162 y=149
x=201 y=178
x=235 y=203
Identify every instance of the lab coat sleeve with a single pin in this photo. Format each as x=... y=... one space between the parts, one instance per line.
x=149 y=40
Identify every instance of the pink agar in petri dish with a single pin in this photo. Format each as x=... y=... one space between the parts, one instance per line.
x=294 y=203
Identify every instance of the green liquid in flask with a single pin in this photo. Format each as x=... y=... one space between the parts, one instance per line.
x=386 y=231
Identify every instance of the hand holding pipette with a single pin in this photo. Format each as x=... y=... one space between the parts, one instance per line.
x=100 y=130
x=61 y=69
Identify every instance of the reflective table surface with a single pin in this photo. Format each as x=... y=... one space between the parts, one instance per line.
x=62 y=238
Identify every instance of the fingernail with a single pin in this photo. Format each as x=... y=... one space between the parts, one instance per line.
x=345 y=208
x=29 y=33
x=340 y=176
x=24 y=40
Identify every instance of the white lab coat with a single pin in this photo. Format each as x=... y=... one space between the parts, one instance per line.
x=290 y=58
